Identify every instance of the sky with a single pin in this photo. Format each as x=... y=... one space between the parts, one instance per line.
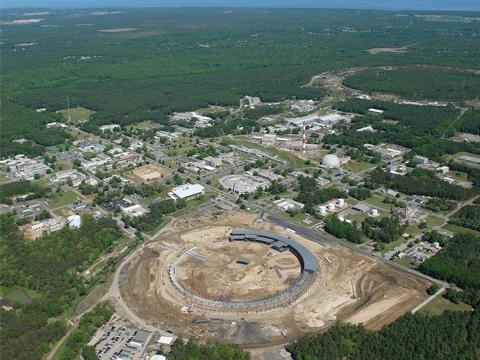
x=431 y=5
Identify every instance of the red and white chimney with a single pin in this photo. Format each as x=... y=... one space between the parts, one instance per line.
x=303 y=139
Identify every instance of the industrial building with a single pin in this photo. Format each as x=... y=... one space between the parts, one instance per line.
x=286 y=204
x=421 y=160
x=469 y=160
x=306 y=258
x=361 y=207
x=186 y=192
x=443 y=169
x=373 y=111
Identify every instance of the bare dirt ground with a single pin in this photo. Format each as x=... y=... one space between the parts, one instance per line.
x=149 y=173
x=353 y=288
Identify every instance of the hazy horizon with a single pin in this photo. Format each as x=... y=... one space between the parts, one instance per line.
x=425 y=5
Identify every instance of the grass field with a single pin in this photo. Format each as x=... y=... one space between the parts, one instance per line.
x=357 y=166
x=142 y=125
x=77 y=134
x=436 y=221
x=42 y=182
x=406 y=261
x=63 y=165
x=378 y=202
x=66 y=198
x=60 y=351
x=299 y=217
x=459 y=176
x=439 y=305
x=3 y=178
x=414 y=230
x=392 y=245
x=294 y=161
x=458 y=229
x=362 y=216
x=76 y=114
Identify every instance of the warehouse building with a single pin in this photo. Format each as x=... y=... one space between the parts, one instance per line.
x=186 y=191
x=469 y=160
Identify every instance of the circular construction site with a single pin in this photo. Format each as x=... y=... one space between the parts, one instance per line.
x=254 y=271
x=259 y=286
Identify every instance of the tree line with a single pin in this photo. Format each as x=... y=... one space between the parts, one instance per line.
x=452 y=335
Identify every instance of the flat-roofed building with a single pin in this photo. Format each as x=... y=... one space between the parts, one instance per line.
x=470 y=159
x=420 y=160
x=373 y=111
x=186 y=191
x=269 y=139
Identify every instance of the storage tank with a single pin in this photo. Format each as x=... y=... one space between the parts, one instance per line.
x=74 y=221
x=322 y=209
x=341 y=202
x=374 y=212
x=331 y=206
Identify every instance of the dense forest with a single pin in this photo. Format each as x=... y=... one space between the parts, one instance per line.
x=419 y=119
x=470 y=122
x=22 y=187
x=420 y=182
x=50 y=265
x=310 y=194
x=419 y=84
x=458 y=262
x=452 y=335
x=467 y=217
x=27 y=334
x=185 y=59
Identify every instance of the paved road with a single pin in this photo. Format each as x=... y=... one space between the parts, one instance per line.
x=427 y=300
x=323 y=239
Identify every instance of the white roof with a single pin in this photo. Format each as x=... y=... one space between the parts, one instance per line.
x=187 y=190
x=158 y=357
x=167 y=340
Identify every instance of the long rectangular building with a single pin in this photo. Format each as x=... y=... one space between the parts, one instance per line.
x=306 y=258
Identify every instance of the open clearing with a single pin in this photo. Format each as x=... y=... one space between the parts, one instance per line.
x=353 y=287
x=76 y=114
x=117 y=30
x=149 y=173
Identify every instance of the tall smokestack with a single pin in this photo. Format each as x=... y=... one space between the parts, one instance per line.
x=303 y=139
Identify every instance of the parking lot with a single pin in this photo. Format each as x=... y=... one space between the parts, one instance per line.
x=114 y=343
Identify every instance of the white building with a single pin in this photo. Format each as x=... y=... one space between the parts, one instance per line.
x=373 y=111
x=186 y=191
x=109 y=127
x=167 y=135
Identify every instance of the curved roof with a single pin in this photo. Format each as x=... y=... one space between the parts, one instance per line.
x=330 y=160
x=309 y=261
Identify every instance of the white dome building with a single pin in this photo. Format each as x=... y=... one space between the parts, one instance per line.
x=74 y=222
x=330 y=161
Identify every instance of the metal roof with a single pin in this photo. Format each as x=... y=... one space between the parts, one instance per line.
x=309 y=261
x=361 y=207
x=141 y=336
x=470 y=159
x=187 y=190
x=243 y=260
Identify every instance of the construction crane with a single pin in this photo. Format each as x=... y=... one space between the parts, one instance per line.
x=190 y=308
